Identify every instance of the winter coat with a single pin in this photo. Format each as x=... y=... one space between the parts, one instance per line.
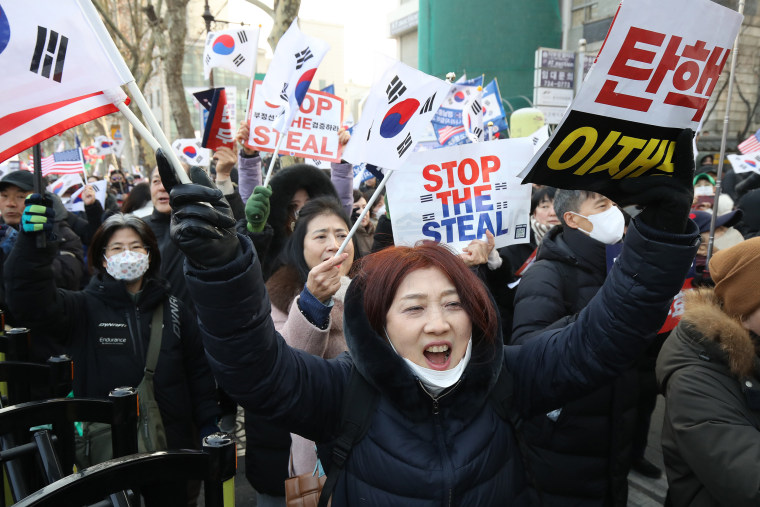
x=750 y=206
x=68 y=270
x=363 y=239
x=582 y=454
x=709 y=372
x=420 y=451
x=172 y=258
x=301 y=334
x=107 y=332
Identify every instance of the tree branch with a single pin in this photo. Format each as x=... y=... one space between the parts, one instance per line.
x=112 y=26
x=264 y=7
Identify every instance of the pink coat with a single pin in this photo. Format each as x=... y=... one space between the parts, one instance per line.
x=301 y=334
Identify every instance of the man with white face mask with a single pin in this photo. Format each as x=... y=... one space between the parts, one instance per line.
x=579 y=453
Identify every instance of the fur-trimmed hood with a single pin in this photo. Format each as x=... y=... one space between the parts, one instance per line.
x=386 y=371
x=286 y=182
x=709 y=337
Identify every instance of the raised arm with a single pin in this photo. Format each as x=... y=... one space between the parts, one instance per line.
x=249 y=359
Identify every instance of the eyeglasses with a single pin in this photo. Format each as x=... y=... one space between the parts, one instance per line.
x=119 y=248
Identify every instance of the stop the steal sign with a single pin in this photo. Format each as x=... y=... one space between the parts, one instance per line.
x=312 y=134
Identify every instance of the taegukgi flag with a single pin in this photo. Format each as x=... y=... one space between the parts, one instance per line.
x=192 y=152
x=448 y=121
x=55 y=69
x=104 y=145
x=234 y=50
x=472 y=116
x=397 y=112
x=653 y=77
x=744 y=163
x=289 y=76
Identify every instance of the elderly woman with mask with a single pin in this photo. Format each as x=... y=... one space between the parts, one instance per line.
x=107 y=327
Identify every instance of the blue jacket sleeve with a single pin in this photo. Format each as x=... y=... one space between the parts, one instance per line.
x=612 y=330
x=252 y=362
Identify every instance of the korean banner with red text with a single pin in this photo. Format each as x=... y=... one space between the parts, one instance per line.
x=652 y=78
x=454 y=194
x=313 y=133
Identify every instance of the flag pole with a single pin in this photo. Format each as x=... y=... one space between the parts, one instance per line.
x=141 y=129
x=163 y=142
x=718 y=180
x=274 y=157
x=367 y=209
x=38 y=188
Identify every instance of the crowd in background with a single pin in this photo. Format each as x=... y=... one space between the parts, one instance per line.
x=94 y=292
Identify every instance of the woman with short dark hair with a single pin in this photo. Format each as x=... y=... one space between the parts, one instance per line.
x=106 y=329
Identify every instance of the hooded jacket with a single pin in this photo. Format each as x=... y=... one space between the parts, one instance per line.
x=107 y=333
x=709 y=372
x=581 y=455
x=68 y=270
x=420 y=451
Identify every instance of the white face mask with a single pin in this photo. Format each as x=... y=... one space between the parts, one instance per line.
x=729 y=238
x=436 y=381
x=609 y=225
x=127 y=265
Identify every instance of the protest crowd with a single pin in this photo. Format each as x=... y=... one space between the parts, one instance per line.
x=470 y=325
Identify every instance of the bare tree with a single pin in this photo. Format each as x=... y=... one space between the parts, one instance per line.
x=282 y=12
x=176 y=26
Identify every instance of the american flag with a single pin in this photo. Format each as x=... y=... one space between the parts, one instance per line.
x=62 y=162
x=446 y=132
x=751 y=144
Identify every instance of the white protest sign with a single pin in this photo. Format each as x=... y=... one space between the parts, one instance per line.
x=745 y=163
x=665 y=61
x=653 y=77
x=454 y=194
x=313 y=132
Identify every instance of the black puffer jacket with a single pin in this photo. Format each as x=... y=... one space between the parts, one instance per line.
x=107 y=334
x=419 y=452
x=68 y=270
x=580 y=456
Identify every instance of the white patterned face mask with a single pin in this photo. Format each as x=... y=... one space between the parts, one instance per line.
x=127 y=265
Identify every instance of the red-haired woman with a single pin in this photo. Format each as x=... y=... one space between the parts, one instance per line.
x=424 y=335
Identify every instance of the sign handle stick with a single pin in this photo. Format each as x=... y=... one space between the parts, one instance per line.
x=84 y=171
x=718 y=180
x=367 y=209
x=163 y=142
x=274 y=157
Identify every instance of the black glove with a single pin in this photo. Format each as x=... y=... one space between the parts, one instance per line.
x=666 y=200
x=202 y=224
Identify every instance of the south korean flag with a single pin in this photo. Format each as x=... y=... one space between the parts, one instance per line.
x=397 y=112
x=472 y=116
x=233 y=50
